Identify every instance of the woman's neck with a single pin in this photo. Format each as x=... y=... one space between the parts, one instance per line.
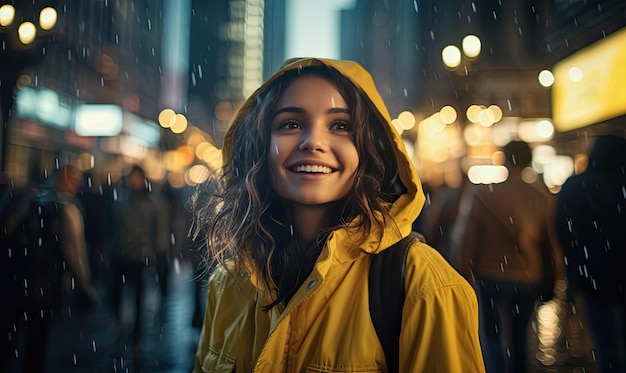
x=308 y=221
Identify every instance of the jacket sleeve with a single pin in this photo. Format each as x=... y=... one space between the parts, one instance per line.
x=440 y=318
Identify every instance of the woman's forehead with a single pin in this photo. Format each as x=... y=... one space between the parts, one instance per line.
x=311 y=89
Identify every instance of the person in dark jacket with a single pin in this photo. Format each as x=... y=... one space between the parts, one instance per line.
x=42 y=241
x=137 y=242
x=590 y=222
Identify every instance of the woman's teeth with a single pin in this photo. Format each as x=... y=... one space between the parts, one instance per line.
x=313 y=169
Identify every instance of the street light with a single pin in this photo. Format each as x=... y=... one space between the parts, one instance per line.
x=453 y=58
x=18 y=50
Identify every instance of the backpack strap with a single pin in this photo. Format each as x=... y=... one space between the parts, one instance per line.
x=386 y=296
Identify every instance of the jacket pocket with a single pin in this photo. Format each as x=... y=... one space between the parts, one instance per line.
x=218 y=362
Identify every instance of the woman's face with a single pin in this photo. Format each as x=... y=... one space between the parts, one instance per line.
x=312 y=155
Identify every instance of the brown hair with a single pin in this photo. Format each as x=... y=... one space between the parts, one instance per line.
x=239 y=217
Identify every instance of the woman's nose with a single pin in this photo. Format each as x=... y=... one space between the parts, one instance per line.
x=313 y=139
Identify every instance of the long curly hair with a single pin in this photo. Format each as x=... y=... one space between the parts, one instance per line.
x=239 y=216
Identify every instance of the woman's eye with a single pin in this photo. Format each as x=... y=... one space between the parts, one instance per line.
x=289 y=124
x=342 y=125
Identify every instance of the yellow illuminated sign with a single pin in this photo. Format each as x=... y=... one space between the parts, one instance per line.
x=590 y=85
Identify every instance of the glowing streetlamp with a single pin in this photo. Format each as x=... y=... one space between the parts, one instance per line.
x=451 y=56
x=471 y=46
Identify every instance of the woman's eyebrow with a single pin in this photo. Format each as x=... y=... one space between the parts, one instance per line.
x=338 y=110
x=288 y=109
x=297 y=110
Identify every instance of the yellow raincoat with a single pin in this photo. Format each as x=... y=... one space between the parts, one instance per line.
x=326 y=327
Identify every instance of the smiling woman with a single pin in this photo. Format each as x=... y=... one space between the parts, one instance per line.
x=316 y=181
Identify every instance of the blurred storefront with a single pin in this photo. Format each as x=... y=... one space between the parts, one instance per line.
x=98 y=87
x=461 y=79
x=503 y=72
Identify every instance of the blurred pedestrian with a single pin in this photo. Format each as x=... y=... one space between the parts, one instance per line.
x=134 y=248
x=316 y=185
x=44 y=236
x=590 y=223
x=439 y=218
x=98 y=222
x=511 y=255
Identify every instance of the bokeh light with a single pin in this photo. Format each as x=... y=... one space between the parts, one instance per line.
x=451 y=56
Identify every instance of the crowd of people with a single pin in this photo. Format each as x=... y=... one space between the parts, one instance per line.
x=68 y=241
x=316 y=183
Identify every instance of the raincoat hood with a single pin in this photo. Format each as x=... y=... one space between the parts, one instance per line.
x=408 y=206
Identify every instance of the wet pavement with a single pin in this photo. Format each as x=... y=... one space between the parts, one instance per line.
x=93 y=342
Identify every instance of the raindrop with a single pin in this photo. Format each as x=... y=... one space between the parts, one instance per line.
x=406 y=93
x=508 y=103
x=93 y=345
x=495 y=16
x=432 y=35
x=291 y=229
x=474 y=6
x=276 y=149
x=332 y=102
